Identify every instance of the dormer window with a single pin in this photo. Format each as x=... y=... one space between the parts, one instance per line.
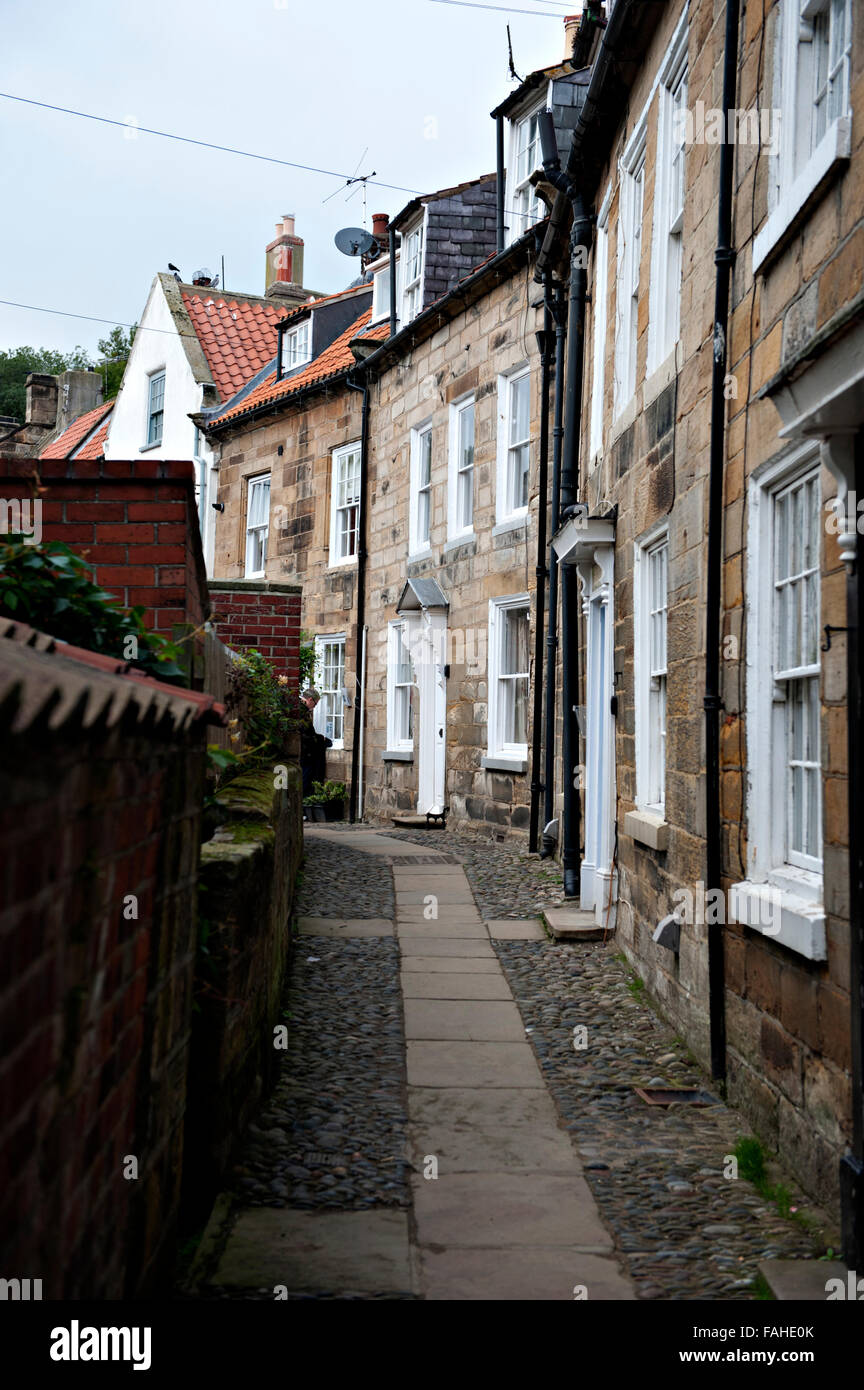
x=525 y=207
x=412 y=265
x=381 y=288
x=296 y=346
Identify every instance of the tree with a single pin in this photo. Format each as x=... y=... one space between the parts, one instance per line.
x=114 y=351
x=16 y=363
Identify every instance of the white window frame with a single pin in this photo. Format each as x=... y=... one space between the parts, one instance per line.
x=296 y=345
x=381 y=288
x=399 y=738
x=418 y=544
x=335 y=694
x=498 y=745
x=664 y=328
x=505 y=510
x=160 y=375
x=412 y=263
x=254 y=533
x=343 y=452
x=650 y=678
x=460 y=476
x=796 y=176
x=599 y=297
x=781 y=897
x=631 y=214
x=524 y=207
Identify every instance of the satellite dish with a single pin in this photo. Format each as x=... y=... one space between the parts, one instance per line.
x=355 y=241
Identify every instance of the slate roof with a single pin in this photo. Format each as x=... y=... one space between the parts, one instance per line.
x=332 y=362
x=68 y=443
x=237 y=333
x=48 y=684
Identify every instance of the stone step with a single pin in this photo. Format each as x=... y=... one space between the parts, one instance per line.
x=572 y=924
x=412 y=822
x=804 y=1281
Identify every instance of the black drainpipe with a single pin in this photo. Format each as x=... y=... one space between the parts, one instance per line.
x=724 y=257
x=361 y=589
x=544 y=343
x=499 y=182
x=580 y=242
x=559 y=315
x=852 y=1163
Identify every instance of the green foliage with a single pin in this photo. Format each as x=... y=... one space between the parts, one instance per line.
x=114 y=352
x=307 y=660
x=751 y=1160
x=325 y=791
x=50 y=587
x=268 y=710
x=16 y=363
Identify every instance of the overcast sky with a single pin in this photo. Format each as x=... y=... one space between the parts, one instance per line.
x=90 y=215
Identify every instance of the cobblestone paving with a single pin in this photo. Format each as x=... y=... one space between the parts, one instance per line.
x=657 y=1174
x=333 y=1132
x=339 y=881
x=505 y=881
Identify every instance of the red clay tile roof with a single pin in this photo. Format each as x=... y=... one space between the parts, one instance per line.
x=238 y=335
x=94 y=447
x=335 y=359
x=67 y=442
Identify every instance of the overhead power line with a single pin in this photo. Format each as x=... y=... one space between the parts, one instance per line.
x=204 y=144
x=90 y=318
x=499 y=9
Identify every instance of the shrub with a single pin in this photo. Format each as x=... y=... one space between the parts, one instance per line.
x=266 y=708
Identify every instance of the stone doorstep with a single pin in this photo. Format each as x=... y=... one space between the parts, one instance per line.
x=573 y=924
x=533 y=1273
x=793 y=1281
x=334 y=927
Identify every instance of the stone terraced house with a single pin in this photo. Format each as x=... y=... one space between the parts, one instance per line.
x=694 y=458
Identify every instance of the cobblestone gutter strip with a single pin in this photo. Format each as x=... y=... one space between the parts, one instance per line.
x=333 y=1133
x=339 y=881
x=686 y=1231
x=506 y=881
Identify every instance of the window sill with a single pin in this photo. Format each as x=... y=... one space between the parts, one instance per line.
x=415 y=556
x=145 y=448
x=499 y=762
x=648 y=827
x=255 y=574
x=341 y=564
x=624 y=418
x=801 y=925
x=511 y=523
x=661 y=376
x=457 y=542
x=398 y=755
x=796 y=201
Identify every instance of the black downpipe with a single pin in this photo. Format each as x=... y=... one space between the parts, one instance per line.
x=549 y=841
x=544 y=342
x=580 y=240
x=852 y=1163
x=499 y=183
x=359 y=711
x=392 y=281
x=724 y=257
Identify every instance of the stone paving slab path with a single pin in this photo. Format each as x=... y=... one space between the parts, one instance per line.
x=500 y=1206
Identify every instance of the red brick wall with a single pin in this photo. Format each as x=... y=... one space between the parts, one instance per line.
x=95 y=1007
x=135 y=521
x=263 y=615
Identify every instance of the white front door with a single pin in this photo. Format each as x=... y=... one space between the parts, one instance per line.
x=427 y=637
x=597 y=887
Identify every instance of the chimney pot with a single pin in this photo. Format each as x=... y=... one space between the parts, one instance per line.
x=288 y=224
x=571 y=28
x=380 y=223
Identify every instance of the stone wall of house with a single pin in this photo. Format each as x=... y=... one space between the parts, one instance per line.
x=787 y=1017
x=463 y=356
x=299 y=546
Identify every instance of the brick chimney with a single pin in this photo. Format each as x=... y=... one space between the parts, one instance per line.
x=571 y=28
x=41 y=409
x=284 y=274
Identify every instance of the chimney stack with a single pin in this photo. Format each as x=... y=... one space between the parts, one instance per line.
x=571 y=29
x=284 y=273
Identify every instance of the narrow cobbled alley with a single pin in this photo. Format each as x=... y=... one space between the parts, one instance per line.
x=435 y=1133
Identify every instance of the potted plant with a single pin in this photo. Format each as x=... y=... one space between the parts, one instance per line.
x=326 y=801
